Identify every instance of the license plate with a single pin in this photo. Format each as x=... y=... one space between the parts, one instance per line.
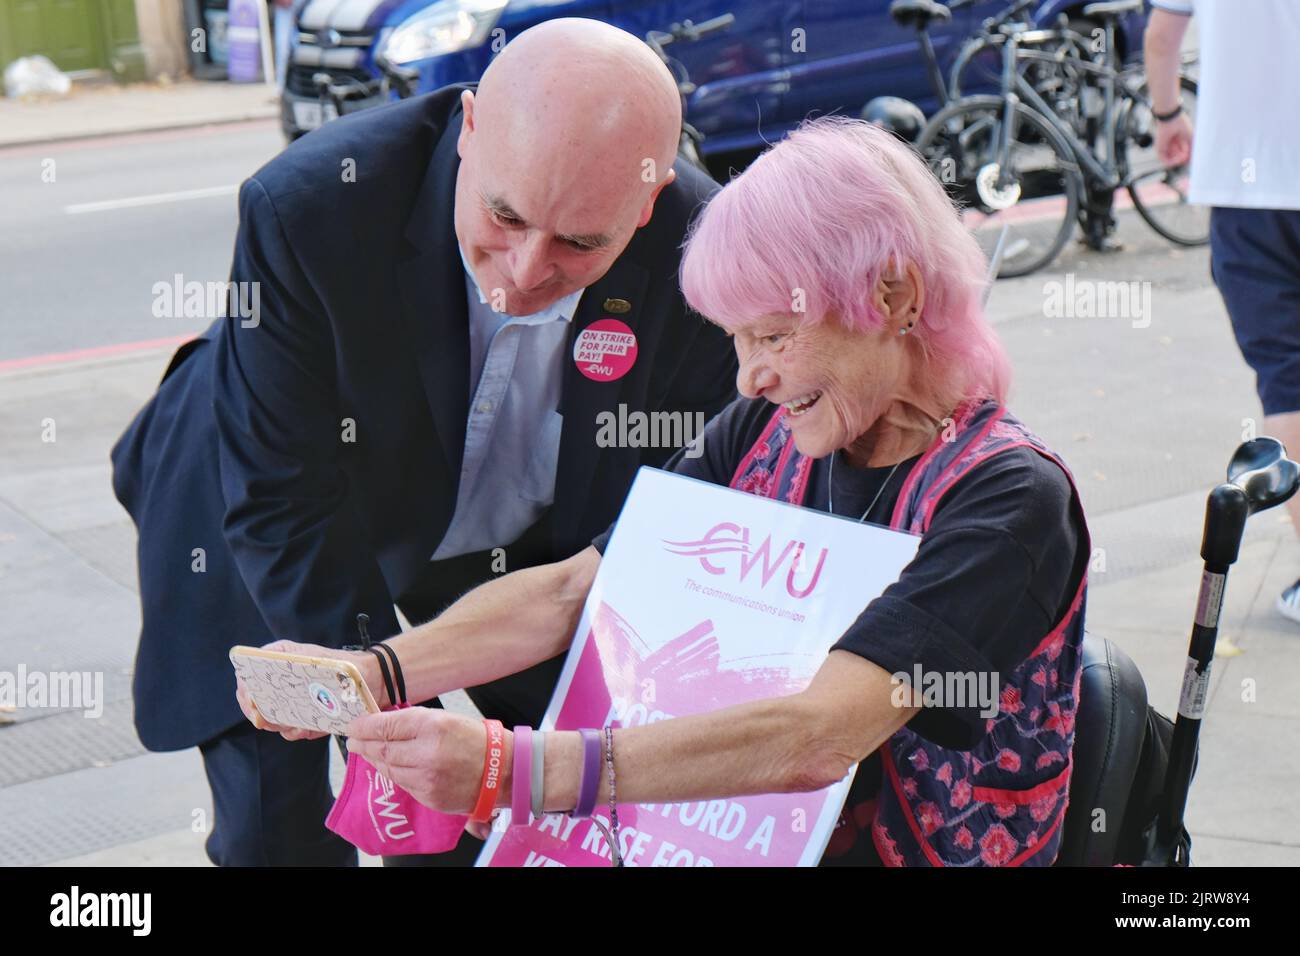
x=307 y=115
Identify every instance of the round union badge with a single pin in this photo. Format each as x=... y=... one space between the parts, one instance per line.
x=605 y=350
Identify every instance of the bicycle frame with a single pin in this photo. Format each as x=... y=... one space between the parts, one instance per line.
x=932 y=70
x=1015 y=89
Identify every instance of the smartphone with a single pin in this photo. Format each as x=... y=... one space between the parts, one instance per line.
x=310 y=693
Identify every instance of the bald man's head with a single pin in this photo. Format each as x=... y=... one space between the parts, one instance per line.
x=569 y=139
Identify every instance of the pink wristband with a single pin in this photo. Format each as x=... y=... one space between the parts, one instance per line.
x=521 y=789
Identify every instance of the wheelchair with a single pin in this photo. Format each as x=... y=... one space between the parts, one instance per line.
x=1132 y=766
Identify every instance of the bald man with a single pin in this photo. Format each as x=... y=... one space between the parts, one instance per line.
x=441 y=301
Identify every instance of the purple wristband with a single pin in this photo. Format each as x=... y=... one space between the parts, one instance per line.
x=521 y=790
x=590 y=773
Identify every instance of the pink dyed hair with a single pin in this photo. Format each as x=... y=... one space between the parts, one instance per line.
x=826 y=211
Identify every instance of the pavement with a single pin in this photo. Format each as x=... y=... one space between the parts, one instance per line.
x=92 y=110
x=1147 y=418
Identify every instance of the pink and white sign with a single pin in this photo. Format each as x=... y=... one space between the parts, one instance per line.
x=707 y=598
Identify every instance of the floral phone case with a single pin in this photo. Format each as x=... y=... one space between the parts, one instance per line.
x=311 y=693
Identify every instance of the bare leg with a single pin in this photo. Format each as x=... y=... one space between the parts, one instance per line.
x=1286 y=429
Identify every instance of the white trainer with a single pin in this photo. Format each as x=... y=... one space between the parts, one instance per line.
x=1288 y=603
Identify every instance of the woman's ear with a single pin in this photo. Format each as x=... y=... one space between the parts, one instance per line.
x=900 y=297
x=914 y=286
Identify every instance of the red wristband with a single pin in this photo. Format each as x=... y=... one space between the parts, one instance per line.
x=494 y=762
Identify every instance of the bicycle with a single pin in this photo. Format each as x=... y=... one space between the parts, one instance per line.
x=970 y=68
x=906 y=120
x=1074 y=85
x=921 y=15
x=1013 y=161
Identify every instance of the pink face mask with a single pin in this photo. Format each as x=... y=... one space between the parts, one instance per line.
x=380 y=818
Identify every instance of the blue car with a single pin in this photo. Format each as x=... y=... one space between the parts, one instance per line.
x=778 y=62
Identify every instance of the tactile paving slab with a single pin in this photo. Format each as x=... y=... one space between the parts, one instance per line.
x=60 y=743
x=42 y=821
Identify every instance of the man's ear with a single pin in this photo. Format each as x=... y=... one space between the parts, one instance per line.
x=648 y=209
x=467 y=124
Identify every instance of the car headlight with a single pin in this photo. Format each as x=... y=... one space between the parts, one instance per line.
x=443 y=28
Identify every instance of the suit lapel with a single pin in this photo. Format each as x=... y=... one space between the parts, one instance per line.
x=582 y=398
x=431 y=283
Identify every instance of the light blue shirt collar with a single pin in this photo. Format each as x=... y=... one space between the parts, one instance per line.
x=560 y=309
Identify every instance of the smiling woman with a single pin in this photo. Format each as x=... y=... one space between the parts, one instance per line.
x=782 y=250
x=853 y=296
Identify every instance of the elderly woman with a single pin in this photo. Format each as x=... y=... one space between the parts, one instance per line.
x=854 y=297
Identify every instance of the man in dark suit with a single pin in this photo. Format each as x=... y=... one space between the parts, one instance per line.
x=411 y=406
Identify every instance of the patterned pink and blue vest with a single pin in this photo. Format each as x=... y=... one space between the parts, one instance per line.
x=1003 y=802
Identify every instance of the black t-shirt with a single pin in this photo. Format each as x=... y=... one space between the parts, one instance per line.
x=996 y=570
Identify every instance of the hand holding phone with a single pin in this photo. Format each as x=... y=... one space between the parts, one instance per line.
x=300 y=695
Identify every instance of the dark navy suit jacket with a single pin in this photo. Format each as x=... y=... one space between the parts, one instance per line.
x=362 y=317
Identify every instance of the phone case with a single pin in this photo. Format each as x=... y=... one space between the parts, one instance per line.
x=311 y=693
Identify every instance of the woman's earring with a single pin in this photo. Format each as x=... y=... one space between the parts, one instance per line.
x=902 y=329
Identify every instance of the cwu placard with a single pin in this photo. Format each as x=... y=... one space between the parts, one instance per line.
x=706 y=598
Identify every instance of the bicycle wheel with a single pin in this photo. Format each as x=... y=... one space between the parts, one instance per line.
x=1037 y=206
x=1158 y=192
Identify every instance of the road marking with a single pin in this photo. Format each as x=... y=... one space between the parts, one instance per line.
x=99 y=351
x=151 y=200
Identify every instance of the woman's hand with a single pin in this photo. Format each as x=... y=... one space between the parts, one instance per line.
x=434 y=755
x=364 y=662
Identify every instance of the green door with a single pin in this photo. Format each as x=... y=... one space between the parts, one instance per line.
x=74 y=34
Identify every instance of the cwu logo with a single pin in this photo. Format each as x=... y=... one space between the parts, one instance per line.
x=382 y=794
x=726 y=549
